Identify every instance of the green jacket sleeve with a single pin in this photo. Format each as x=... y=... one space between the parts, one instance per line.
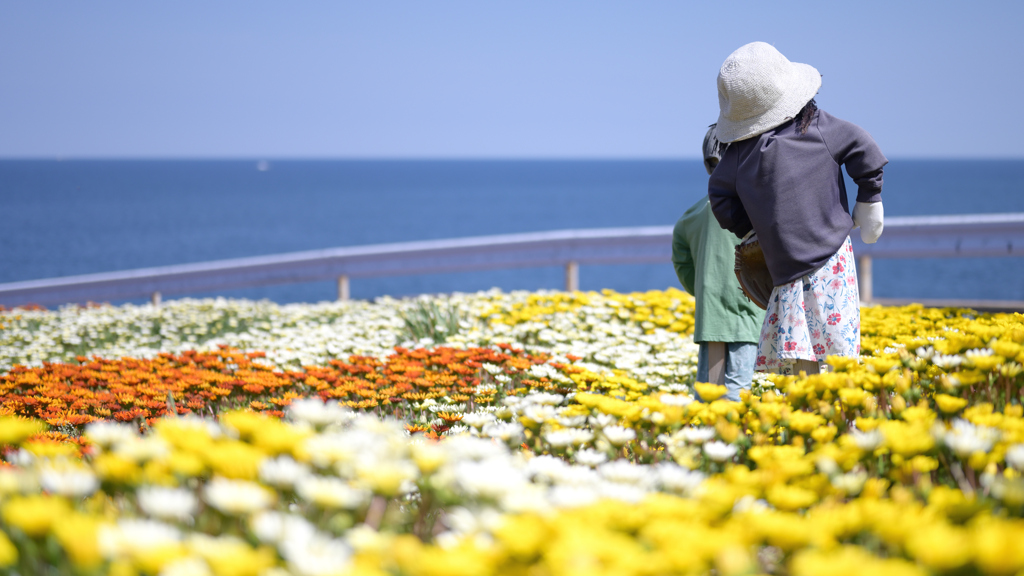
x=682 y=258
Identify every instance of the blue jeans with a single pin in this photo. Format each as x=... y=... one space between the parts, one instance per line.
x=739 y=366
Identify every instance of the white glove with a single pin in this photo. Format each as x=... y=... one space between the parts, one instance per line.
x=869 y=216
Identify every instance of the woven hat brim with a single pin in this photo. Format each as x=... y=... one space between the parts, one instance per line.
x=805 y=84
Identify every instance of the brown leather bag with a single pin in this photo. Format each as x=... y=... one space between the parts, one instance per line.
x=752 y=272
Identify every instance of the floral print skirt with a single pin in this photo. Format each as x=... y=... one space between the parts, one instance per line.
x=813 y=317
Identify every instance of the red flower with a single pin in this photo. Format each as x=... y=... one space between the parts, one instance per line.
x=790 y=346
x=834 y=319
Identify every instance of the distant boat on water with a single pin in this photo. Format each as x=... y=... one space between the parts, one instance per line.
x=263 y=165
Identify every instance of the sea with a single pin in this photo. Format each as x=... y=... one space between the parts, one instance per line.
x=62 y=218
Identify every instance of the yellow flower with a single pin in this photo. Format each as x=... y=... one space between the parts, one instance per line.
x=427 y=456
x=276 y=437
x=824 y=434
x=709 y=392
x=853 y=397
x=387 y=478
x=50 y=449
x=882 y=365
x=34 y=515
x=8 y=553
x=184 y=433
x=185 y=464
x=997 y=548
x=841 y=363
x=805 y=422
x=940 y=546
x=78 y=535
x=783 y=530
x=228 y=556
x=113 y=468
x=907 y=439
x=523 y=536
x=234 y=460
x=247 y=424
x=790 y=498
x=14 y=430
x=949 y=404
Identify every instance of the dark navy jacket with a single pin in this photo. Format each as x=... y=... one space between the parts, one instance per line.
x=788 y=188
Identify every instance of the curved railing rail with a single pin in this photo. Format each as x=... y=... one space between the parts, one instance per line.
x=904 y=237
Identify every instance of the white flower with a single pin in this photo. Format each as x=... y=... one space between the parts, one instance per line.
x=317 y=413
x=851 y=483
x=719 y=451
x=590 y=457
x=618 y=435
x=130 y=536
x=619 y=491
x=925 y=353
x=573 y=496
x=317 y=556
x=544 y=398
x=568 y=437
x=68 y=480
x=274 y=527
x=946 y=362
x=237 y=497
x=528 y=498
x=104 y=433
x=624 y=472
x=494 y=478
x=539 y=413
x=142 y=449
x=675 y=478
x=331 y=493
x=965 y=438
x=601 y=420
x=867 y=441
x=167 y=503
x=696 y=435
x=1015 y=456
x=478 y=419
x=571 y=421
x=676 y=399
x=492 y=368
x=510 y=432
x=282 y=472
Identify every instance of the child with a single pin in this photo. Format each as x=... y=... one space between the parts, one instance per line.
x=780 y=177
x=726 y=322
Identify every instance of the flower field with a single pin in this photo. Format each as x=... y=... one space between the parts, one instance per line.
x=541 y=433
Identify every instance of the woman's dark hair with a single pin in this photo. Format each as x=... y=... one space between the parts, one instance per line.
x=804 y=116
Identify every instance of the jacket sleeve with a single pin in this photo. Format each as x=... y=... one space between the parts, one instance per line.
x=852 y=146
x=682 y=258
x=725 y=202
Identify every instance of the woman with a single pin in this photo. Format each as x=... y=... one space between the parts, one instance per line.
x=780 y=178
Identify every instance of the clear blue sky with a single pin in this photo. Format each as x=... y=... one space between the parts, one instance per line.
x=486 y=79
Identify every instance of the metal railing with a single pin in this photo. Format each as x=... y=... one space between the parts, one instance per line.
x=904 y=237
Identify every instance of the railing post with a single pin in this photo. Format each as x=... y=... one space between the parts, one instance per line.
x=155 y=299
x=864 y=278
x=572 y=277
x=343 y=289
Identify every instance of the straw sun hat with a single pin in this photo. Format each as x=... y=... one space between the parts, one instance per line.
x=759 y=89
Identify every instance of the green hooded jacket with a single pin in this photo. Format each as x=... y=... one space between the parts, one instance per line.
x=704 y=257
